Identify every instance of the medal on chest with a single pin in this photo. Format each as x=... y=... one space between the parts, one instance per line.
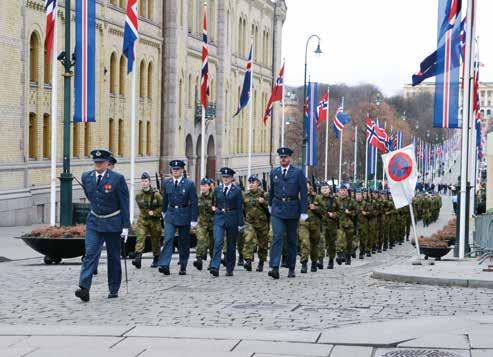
x=107 y=188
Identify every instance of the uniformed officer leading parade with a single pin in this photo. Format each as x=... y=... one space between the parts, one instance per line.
x=181 y=212
x=288 y=204
x=108 y=220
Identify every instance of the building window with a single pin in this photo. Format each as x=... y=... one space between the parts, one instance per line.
x=191 y=16
x=76 y=140
x=123 y=73
x=111 y=131
x=149 y=80
x=87 y=139
x=113 y=73
x=148 y=139
x=34 y=58
x=142 y=84
x=122 y=3
x=150 y=10
x=141 y=138
x=120 y=138
x=46 y=136
x=143 y=8
x=47 y=70
x=33 y=136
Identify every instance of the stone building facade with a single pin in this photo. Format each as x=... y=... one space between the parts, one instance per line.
x=168 y=73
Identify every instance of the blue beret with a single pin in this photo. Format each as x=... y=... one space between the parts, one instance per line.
x=226 y=171
x=100 y=155
x=324 y=184
x=253 y=178
x=205 y=181
x=177 y=164
x=284 y=151
x=145 y=176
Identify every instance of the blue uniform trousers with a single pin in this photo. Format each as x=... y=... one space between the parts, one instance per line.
x=183 y=245
x=280 y=228
x=94 y=243
x=231 y=237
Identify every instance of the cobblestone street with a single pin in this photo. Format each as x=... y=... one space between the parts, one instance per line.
x=34 y=293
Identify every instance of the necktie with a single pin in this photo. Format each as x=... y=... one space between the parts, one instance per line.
x=225 y=191
x=176 y=183
x=284 y=173
x=99 y=180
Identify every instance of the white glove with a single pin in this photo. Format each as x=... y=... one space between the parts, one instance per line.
x=241 y=228
x=193 y=224
x=270 y=210
x=124 y=234
x=303 y=217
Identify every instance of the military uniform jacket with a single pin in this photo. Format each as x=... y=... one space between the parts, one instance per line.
x=315 y=216
x=255 y=212
x=346 y=220
x=365 y=206
x=110 y=198
x=180 y=203
x=329 y=206
x=206 y=213
x=229 y=207
x=288 y=195
x=150 y=200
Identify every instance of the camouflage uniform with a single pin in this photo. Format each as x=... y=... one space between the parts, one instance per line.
x=364 y=226
x=256 y=232
x=329 y=226
x=372 y=226
x=309 y=231
x=204 y=230
x=147 y=201
x=345 y=233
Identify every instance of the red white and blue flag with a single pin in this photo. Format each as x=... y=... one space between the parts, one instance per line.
x=323 y=109
x=375 y=136
x=131 y=33
x=85 y=61
x=50 y=9
x=247 y=83
x=476 y=104
x=447 y=85
x=340 y=120
x=204 y=76
x=276 y=96
x=311 y=124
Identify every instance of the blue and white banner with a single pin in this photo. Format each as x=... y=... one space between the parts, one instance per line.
x=85 y=61
x=311 y=119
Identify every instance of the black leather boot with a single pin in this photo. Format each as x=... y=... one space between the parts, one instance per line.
x=313 y=269
x=198 y=263
x=260 y=266
x=291 y=273
x=320 y=264
x=274 y=273
x=155 y=260
x=304 y=268
x=348 y=259
x=247 y=265
x=82 y=294
x=240 y=261
x=137 y=261
x=284 y=263
x=362 y=255
x=331 y=264
x=368 y=253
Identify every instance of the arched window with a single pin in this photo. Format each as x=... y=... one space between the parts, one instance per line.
x=111 y=132
x=87 y=139
x=46 y=136
x=76 y=140
x=123 y=73
x=141 y=138
x=267 y=50
x=143 y=8
x=33 y=136
x=47 y=69
x=34 y=58
x=142 y=86
x=255 y=44
x=191 y=16
x=150 y=9
x=150 y=75
x=148 y=139
x=121 y=136
x=113 y=73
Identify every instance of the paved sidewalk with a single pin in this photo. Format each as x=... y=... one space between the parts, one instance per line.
x=429 y=336
x=12 y=248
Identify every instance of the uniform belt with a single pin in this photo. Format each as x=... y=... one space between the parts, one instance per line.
x=116 y=213
x=226 y=209
x=179 y=206
x=287 y=199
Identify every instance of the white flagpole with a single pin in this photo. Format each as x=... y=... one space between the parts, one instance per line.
x=132 y=147
x=54 y=121
x=472 y=140
x=366 y=163
x=202 y=130
x=383 y=166
x=327 y=135
x=355 y=152
x=466 y=122
x=375 y=163
x=283 y=120
x=340 y=148
x=250 y=117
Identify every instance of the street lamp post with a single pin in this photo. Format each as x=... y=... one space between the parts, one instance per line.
x=66 y=176
x=317 y=51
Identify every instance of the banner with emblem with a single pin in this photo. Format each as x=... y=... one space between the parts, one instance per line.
x=402 y=176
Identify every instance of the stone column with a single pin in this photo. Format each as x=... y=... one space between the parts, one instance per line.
x=489 y=174
x=169 y=111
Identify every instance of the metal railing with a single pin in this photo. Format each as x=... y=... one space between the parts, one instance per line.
x=483 y=237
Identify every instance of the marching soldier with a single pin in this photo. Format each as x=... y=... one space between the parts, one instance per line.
x=107 y=222
x=364 y=209
x=228 y=220
x=150 y=204
x=256 y=231
x=180 y=213
x=346 y=211
x=309 y=231
x=329 y=223
x=204 y=230
x=288 y=205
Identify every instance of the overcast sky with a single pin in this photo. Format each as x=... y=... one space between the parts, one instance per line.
x=379 y=41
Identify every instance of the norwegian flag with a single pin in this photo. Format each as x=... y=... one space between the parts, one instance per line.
x=340 y=120
x=131 y=33
x=276 y=96
x=375 y=136
x=323 y=109
x=204 y=79
x=452 y=14
x=247 y=83
x=50 y=8
x=476 y=104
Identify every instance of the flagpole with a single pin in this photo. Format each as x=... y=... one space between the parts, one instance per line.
x=375 y=163
x=202 y=128
x=283 y=120
x=340 y=148
x=366 y=163
x=472 y=138
x=54 y=120
x=327 y=135
x=355 y=152
x=250 y=116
